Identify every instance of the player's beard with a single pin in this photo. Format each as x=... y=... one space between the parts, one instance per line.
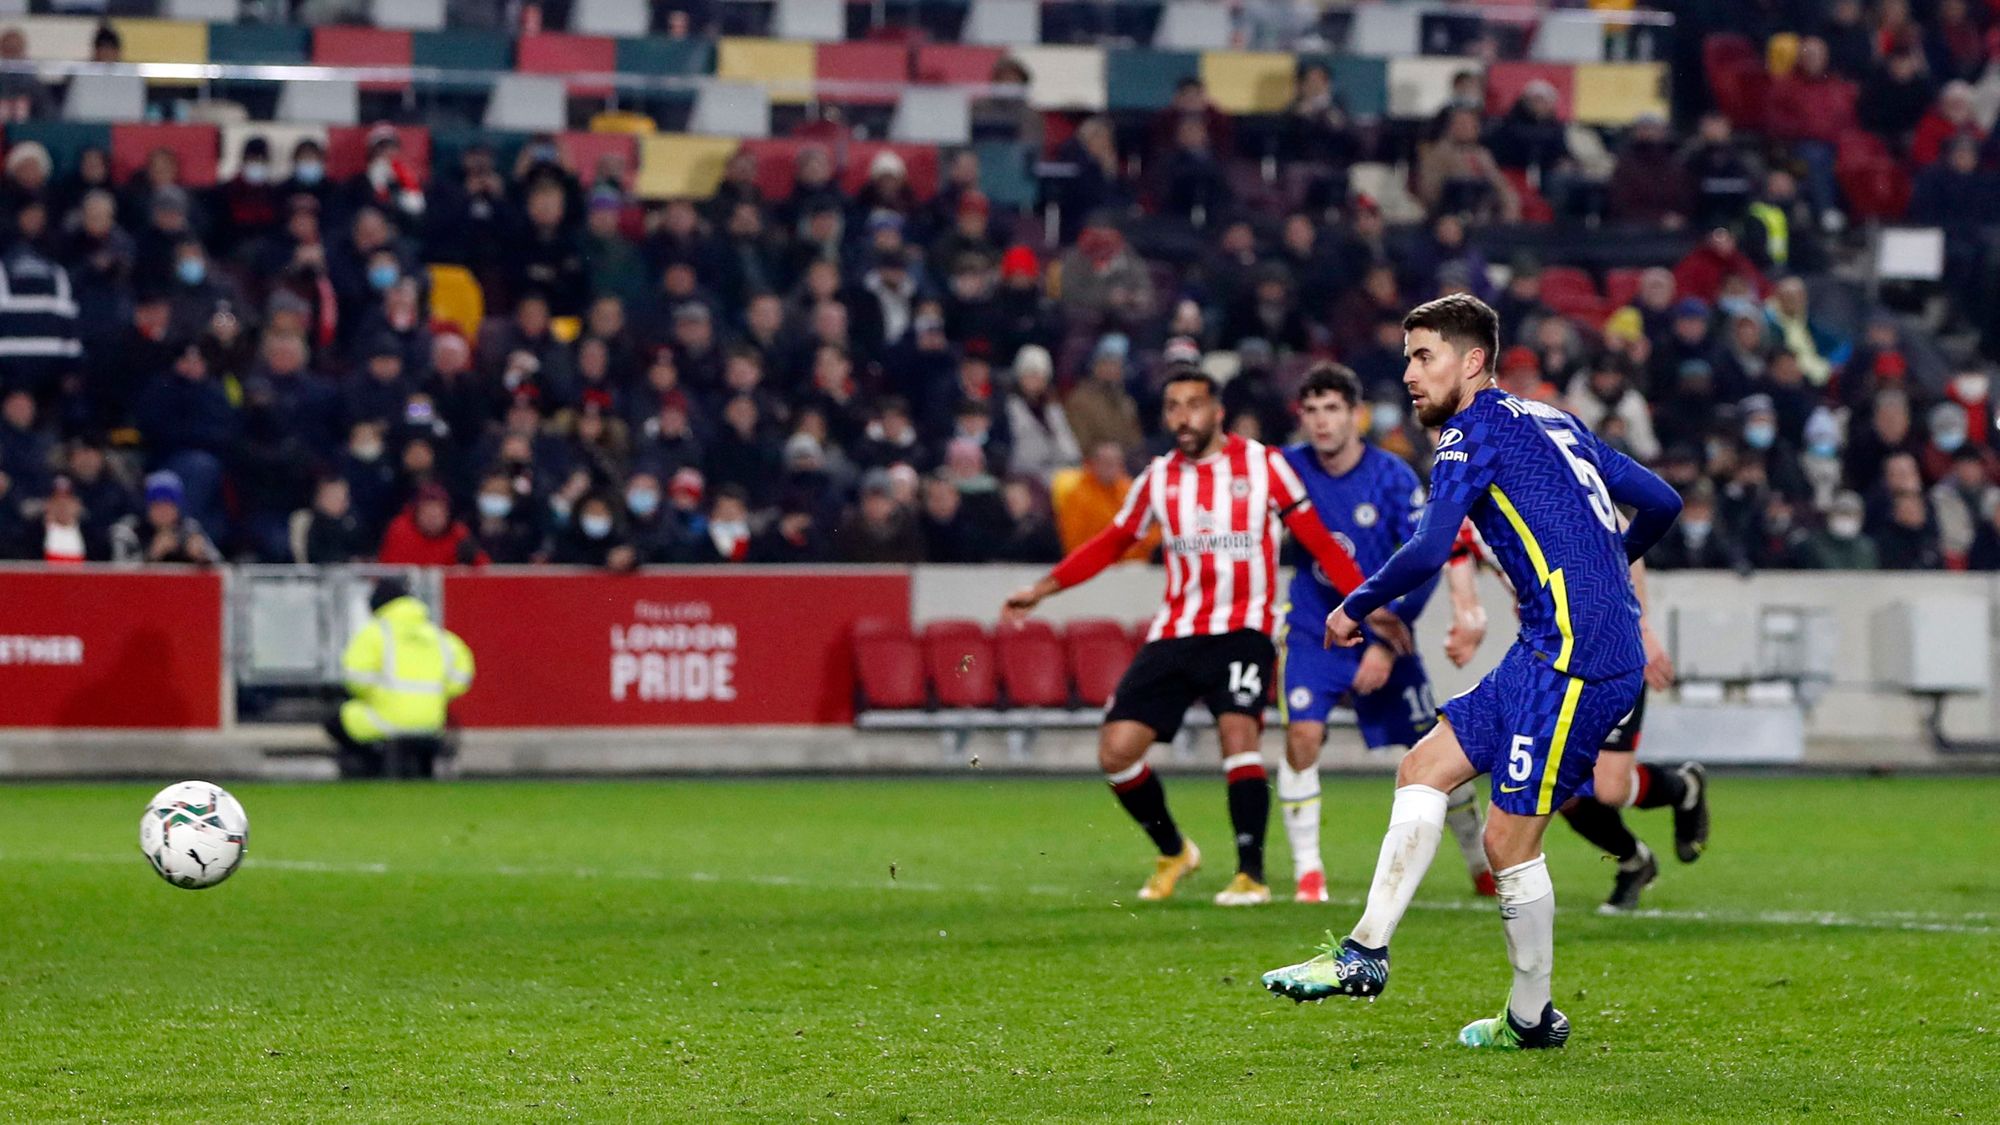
x=1436 y=412
x=1194 y=442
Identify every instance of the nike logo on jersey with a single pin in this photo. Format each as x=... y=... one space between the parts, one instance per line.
x=1512 y=788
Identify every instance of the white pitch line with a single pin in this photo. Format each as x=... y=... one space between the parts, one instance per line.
x=1900 y=920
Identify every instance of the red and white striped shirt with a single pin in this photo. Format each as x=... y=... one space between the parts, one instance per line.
x=1218 y=518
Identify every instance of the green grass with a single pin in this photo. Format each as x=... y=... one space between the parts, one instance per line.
x=962 y=950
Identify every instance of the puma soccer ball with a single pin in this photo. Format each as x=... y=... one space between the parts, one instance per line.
x=194 y=834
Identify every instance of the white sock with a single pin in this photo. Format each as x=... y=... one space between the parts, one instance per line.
x=1416 y=821
x=1298 y=802
x=1461 y=815
x=1528 y=914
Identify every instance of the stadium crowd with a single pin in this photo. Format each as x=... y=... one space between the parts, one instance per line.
x=253 y=372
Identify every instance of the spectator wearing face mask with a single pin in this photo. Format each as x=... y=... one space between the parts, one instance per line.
x=309 y=173
x=726 y=538
x=248 y=203
x=1841 y=544
x=594 y=538
x=1698 y=541
x=651 y=526
x=505 y=522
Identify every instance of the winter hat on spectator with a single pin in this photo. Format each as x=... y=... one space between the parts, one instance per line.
x=1020 y=261
x=1691 y=308
x=1823 y=432
x=1540 y=88
x=606 y=198
x=165 y=485
x=1891 y=365
x=876 y=483
x=1181 y=352
x=1520 y=357
x=1033 y=358
x=882 y=219
x=887 y=163
x=29 y=152
x=1625 y=324
x=803 y=449
x=1112 y=345
x=687 y=487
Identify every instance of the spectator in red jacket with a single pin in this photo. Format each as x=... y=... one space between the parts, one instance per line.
x=1950 y=118
x=425 y=534
x=1811 y=109
x=1708 y=266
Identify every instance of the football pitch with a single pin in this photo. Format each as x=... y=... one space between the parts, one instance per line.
x=965 y=949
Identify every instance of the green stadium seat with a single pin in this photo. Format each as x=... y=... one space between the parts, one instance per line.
x=686 y=57
x=65 y=140
x=462 y=50
x=1004 y=173
x=1362 y=84
x=1145 y=80
x=258 y=43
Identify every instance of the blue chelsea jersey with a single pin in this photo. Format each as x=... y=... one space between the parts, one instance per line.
x=1370 y=510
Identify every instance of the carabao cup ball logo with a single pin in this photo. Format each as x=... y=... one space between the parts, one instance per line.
x=1365 y=515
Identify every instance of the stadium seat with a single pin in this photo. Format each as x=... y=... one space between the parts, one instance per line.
x=347 y=150
x=207 y=11
x=786 y=70
x=1097 y=650
x=677 y=57
x=1250 y=81
x=882 y=64
x=197 y=147
x=1568 y=40
x=1420 y=87
x=1362 y=84
x=258 y=43
x=731 y=109
x=105 y=97
x=1385 y=31
x=462 y=50
x=623 y=121
x=1621 y=286
x=777 y=160
x=1571 y=292
x=674 y=166
x=582 y=152
x=1506 y=80
x=164 y=41
x=956 y=63
x=65 y=140
x=1617 y=93
x=610 y=17
x=362 y=46
x=925 y=115
x=1144 y=80
x=529 y=103
x=1031 y=664
x=59 y=38
x=557 y=54
x=889 y=664
x=1064 y=77
x=1004 y=173
x=408 y=15
x=1003 y=23
x=823 y=21
x=1534 y=208
x=958 y=654
x=457 y=299
x=1193 y=25
x=333 y=102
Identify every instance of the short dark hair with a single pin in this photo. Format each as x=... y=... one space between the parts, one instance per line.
x=1184 y=373
x=1463 y=320
x=1332 y=378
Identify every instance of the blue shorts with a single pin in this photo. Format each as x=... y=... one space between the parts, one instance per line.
x=1314 y=678
x=1536 y=730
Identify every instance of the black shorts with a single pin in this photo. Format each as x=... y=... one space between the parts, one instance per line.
x=1231 y=673
x=1624 y=738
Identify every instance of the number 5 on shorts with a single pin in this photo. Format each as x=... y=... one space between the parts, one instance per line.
x=1520 y=762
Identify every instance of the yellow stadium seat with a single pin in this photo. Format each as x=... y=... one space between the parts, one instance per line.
x=619 y=121
x=1781 y=53
x=677 y=166
x=457 y=299
x=1249 y=81
x=1616 y=93
x=787 y=68
x=164 y=41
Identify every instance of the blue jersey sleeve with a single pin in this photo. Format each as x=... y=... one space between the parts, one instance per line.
x=1654 y=503
x=1465 y=466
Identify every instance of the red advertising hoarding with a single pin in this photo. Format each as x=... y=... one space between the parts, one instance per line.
x=96 y=648
x=687 y=648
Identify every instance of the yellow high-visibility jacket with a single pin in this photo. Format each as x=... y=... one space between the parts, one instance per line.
x=402 y=670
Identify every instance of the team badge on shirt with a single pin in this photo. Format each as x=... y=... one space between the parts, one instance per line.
x=1365 y=515
x=1239 y=488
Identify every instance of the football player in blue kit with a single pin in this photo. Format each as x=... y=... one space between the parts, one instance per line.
x=1369 y=500
x=1544 y=494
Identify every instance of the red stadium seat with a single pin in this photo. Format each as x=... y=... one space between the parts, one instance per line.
x=959 y=656
x=347 y=150
x=956 y=64
x=1031 y=664
x=339 y=45
x=1534 y=208
x=885 y=63
x=1571 y=292
x=561 y=54
x=196 y=146
x=1621 y=286
x=890 y=666
x=582 y=151
x=777 y=163
x=1506 y=80
x=1099 y=650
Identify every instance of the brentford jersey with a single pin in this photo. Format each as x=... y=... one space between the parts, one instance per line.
x=1218 y=520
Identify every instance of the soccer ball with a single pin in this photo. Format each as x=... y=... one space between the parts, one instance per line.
x=194 y=834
